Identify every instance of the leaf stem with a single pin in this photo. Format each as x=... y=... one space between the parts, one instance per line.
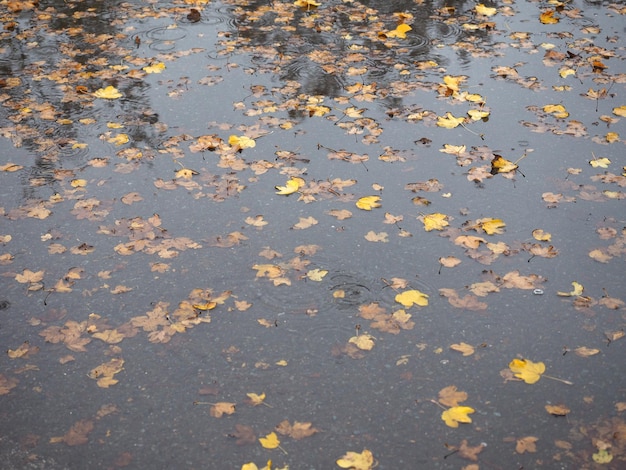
x=566 y=382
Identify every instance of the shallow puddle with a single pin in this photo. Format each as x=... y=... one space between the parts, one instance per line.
x=193 y=275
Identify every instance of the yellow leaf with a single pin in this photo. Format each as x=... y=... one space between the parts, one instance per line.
x=256 y=399
x=457 y=414
x=453 y=149
x=491 y=226
x=108 y=93
x=78 y=183
x=620 y=111
x=435 y=221
x=449 y=121
x=578 y=290
x=466 y=349
x=270 y=441
x=291 y=186
x=602 y=456
x=356 y=461
x=367 y=203
x=241 y=142
x=539 y=234
x=209 y=305
x=282 y=363
x=316 y=274
x=410 y=297
x=155 y=68
x=400 y=31
x=612 y=137
x=600 y=162
x=529 y=371
x=566 y=71
x=547 y=17
x=307 y=4
x=477 y=114
x=557 y=110
x=501 y=165
x=364 y=341
x=119 y=139
x=485 y=11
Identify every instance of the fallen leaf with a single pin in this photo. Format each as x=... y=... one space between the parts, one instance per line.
x=367 y=203
x=557 y=410
x=291 y=186
x=270 y=441
x=436 y=221
x=450 y=396
x=457 y=414
x=526 y=444
x=530 y=372
x=412 y=297
x=108 y=93
x=576 y=291
x=222 y=408
x=357 y=461
x=466 y=349
x=296 y=431
x=363 y=341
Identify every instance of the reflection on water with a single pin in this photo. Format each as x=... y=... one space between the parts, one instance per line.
x=149 y=265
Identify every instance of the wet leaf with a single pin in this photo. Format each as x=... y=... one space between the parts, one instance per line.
x=547 y=17
x=222 y=408
x=297 y=430
x=602 y=456
x=464 y=348
x=399 y=32
x=557 y=410
x=526 y=444
x=108 y=93
x=270 y=441
x=412 y=297
x=584 y=351
x=450 y=396
x=103 y=374
x=501 y=165
x=530 y=372
x=241 y=142
x=357 y=461
x=481 y=9
x=316 y=274
x=457 y=414
x=449 y=121
x=155 y=68
x=600 y=162
x=363 y=341
x=436 y=221
x=291 y=186
x=576 y=291
x=367 y=203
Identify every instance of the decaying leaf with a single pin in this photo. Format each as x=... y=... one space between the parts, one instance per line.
x=222 y=408
x=297 y=430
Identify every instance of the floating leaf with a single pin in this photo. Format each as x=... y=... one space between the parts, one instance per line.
x=364 y=341
x=457 y=414
x=600 y=162
x=291 y=186
x=399 y=32
x=222 y=408
x=526 y=444
x=576 y=291
x=316 y=274
x=484 y=10
x=530 y=372
x=547 y=17
x=557 y=410
x=602 y=456
x=466 y=349
x=436 y=221
x=270 y=441
x=501 y=165
x=449 y=121
x=108 y=93
x=241 y=142
x=155 y=68
x=367 y=203
x=410 y=297
x=356 y=461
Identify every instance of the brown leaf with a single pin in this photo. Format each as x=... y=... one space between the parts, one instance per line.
x=244 y=435
x=78 y=433
x=450 y=396
x=526 y=444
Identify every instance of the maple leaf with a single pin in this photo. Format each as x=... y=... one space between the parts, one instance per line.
x=557 y=410
x=491 y=226
x=501 y=165
x=600 y=162
x=449 y=121
x=296 y=431
x=464 y=348
x=292 y=185
x=457 y=414
x=270 y=441
x=316 y=274
x=244 y=434
x=410 y=297
x=377 y=237
x=104 y=373
x=530 y=372
x=363 y=341
x=357 y=461
x=547 y=17
x=255 y=399
x=436 y=221
x=526 y=444
x=399 y=32
x=481 y=9
x=241 y=142
x=108 y=93
x=222 y=408
x=450 y=396
x=155 y=68
x=367 y=203
x=29 y=277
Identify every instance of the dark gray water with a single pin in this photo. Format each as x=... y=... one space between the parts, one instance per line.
x=151 y=275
